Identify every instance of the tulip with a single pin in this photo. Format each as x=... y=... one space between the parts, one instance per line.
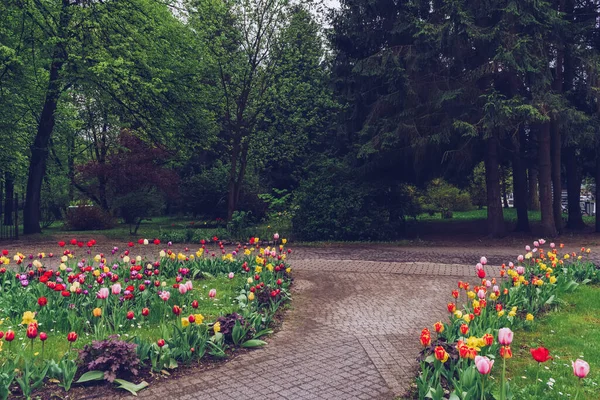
x=42 y=301
x=195 y=304
x=43 y=336
x=160 y=342
x=481 y=274
x=484 y=365
x=145 y=312
x=183 y=289
x=176 y=310
x=191 y=319
x=481 y=294
x=130 y=314
x=231 y=275
x=212 y=293
x=441 y=354
x=72 y=336
x=451 y=307
x=488 y=339
x=439 y=327
x=32 y=330
x=520 y=270
x=541 y=354
x=10 y=336
x=116 y=288
x=520 y=258
x=189 y=285
x=464 y=329
x=97 y=312
x=483 y=260
x=505 y=352
x=505 y=336
x=580 y=368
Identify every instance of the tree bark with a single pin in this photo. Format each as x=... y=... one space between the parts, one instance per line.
x=555 y=152
x=39 y=148
x=9 y=198
x=597 y=190
x=495 y=216
x=575 y=221
x=520 y=183
x=548 y=225
x=533 y=194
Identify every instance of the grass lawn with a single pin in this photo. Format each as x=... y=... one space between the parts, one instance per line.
x=570 y=333
x=510 y=214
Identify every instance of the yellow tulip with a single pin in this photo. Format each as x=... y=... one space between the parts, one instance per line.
x=97 y=312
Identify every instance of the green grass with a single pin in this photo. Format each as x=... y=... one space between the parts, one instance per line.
x=570 y=333
x=510 y=214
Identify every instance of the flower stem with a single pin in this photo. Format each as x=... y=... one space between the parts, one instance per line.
x=482 y=387
x=537 y=374
x=503 y=382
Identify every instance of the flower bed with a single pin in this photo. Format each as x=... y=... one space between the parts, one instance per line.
x=78 y=314
x=457 y=363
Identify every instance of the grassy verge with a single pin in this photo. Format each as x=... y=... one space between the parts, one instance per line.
x=510 y=215
x=570 y=333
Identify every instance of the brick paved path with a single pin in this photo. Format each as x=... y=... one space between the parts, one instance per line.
x=352 y=333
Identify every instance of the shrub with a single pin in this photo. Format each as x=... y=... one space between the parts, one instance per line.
x=113 y=356
x=227 y=323
x=446 y=197
x=87 y=217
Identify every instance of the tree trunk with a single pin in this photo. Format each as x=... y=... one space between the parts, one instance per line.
x=39 y=148
x=9 y=199
x=495 y=216
x=545 y=179
x=597 y=190
x=520 y=184
x=575 y=221
x=504 y=188
x=533 y=194
x=555 y=152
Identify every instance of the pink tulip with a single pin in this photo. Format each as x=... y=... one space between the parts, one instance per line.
x=483 y=260
x=552 y=245
x=479 y=267
x=103 y=293
x=527 y=248
x=495 y=288
x=212 y=293
x=484 y=365
x=183 y=289
x=534 y=250
x=580 y=368
x=116 y=288
x=231 y=275
x=481 y=294
x=542 y=242
x=505 y=336
x=536 y=243
x=189 y=285
x=164 y=295
x=510 y=264
x=520 y=270
x=276 y=236
x=520 y=258
x=488 y=283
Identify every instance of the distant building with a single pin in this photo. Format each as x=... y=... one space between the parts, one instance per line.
x=587 y=202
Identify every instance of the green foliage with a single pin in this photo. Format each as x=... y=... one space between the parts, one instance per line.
x=477 y=189
x=87 y=217
x=444 y=197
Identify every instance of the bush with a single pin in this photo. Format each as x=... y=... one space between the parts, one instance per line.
x=332 y=204
x=445 y=197
x=87 y=217
x=113 y=356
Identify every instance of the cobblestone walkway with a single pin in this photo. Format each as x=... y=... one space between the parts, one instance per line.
x=352 y=334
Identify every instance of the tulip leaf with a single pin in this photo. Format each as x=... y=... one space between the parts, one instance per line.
x=453 y=396
x=253 y=343
x=91 y=376
x=550 y=300
x=130 y=386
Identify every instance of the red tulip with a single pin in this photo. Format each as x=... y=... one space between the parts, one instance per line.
x=72 y=336
x=464 y=329
x=32 y=330
x=130 y=244
x=43 y=336
x=160 y=342
x=176 y=310
x=130 y=314
x=451 y=307
x=141 y=241
x=42 y=301
x=192 y=319
x=145 y=312
x=61 y=243
x=541 y=354
x=195 y=304
x=505 y=352
x=279 y=281
x=156 y=242
x=73 y=242
x=1 y=334
x=10 y=336
x=481 y=273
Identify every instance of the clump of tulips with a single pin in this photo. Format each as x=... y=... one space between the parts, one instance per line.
x=503 y=299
